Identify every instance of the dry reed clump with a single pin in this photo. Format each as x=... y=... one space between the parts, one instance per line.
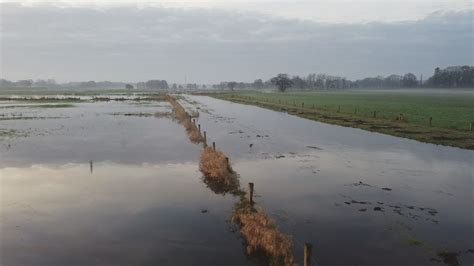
x=261 y=234
x=214 y=166
x=217 y=173
x=180 y=114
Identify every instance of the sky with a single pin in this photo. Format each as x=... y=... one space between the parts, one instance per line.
x=212 y=41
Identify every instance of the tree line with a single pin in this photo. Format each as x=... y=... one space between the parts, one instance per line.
x=450 y=77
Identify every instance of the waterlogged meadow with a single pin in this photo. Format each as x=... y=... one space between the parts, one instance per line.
x=134 y=179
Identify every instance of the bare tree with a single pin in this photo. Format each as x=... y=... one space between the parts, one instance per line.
x=282 y=82
x=231 y=85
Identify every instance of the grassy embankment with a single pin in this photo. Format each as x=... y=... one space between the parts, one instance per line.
x=403 y=114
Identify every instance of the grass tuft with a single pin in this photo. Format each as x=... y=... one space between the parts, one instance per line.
x=261 y=234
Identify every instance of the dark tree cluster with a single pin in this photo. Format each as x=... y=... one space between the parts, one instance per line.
x=452 y=77
x=408 y=80
x=153 y=84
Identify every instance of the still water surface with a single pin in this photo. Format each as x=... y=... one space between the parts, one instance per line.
x=360 y=198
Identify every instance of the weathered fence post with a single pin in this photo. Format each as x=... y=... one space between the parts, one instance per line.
x=228 y=164
x=205 y=139
x=194 y=122
x=251 y=193
x=302 y=104
x=307 y=254
x=431 y=120
x=199 y=127
x=213 y=145
x=375 y=114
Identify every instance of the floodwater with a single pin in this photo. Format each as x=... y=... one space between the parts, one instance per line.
x=360 y=198
x=89 y=185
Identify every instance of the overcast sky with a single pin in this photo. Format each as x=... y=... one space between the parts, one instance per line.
x=211 y=41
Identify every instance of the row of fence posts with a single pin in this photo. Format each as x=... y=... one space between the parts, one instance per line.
x=400 y=116
x=307 y=246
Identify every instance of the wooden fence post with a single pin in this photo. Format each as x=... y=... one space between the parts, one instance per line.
x=251 y=193
x=307 y=254
x=213 y=145
x=199 y=127
x=375 y=114
x=431 y=120
x=228 y=164
x=205 y=139
x=302 y=104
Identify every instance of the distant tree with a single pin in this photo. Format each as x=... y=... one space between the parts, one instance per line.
x=157 y=84
x=282 y=82
x=191 y=86
x=299 y=83
x=453 y=77
x=24 y=83
x=88 y=84
x=258 y=84
x=231 y=85
x=141 y=86
x=6 y=83
x=174 y=86
x=129 y=86
x=409 y=80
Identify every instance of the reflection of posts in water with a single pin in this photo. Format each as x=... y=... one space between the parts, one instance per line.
x=307 y=254
x=91 y=166
x=251 y=193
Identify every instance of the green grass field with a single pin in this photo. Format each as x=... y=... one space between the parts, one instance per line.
x=448 y=110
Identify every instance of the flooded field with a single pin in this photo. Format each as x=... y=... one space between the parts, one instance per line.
x=118 y=182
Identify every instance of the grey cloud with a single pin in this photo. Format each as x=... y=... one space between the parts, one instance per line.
x=212 y=45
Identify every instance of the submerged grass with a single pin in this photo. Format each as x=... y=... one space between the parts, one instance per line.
x=11 y=133
x=217 y=172
x=143 y=114
x=62 y=105
x=261 y=234
x=259 y=231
